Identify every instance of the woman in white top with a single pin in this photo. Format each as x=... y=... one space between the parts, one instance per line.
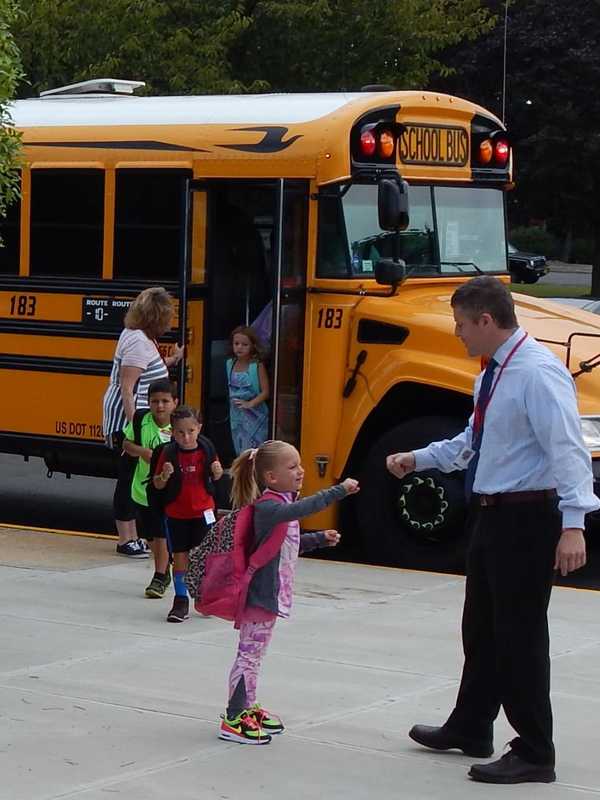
x=137 y=363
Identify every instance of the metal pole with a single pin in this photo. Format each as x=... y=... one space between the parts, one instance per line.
x=275 y=339
x=504 y=62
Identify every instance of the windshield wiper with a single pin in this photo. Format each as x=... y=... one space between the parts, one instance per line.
x=460 y=264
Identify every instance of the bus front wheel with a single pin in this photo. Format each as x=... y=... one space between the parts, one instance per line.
x=419 y=520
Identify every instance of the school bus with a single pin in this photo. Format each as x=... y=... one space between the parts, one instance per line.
x=343 y=220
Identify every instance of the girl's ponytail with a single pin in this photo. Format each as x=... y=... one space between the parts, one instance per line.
x=244 y=488
x=248 y=471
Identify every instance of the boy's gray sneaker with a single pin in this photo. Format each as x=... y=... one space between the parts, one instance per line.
x=156 y=588
x=168 y=577
x=132 y=549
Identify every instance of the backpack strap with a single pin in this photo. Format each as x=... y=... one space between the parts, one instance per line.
x=254 y=378
x=245 y=567
x=159 y=498
x=169 y=453
x=270 y=546
x=208 y=447
x=170 y=450
x=137 y=420
x=154 y=461
x=210 y=455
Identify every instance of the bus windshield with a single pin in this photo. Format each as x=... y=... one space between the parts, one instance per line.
x=452 y=230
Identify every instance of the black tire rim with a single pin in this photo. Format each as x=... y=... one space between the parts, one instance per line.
x=424 y=508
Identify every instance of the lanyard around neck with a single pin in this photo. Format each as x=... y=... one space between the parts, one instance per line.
x=480 y=409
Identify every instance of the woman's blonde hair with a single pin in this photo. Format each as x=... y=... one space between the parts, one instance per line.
x=249 y=469
x=151 y=312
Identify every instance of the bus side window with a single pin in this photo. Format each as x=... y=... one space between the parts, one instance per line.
x=67 y=222
x=10 y=239
x=332 y=248
x=149 y=221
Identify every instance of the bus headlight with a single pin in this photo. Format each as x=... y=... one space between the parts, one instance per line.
x=590 y=427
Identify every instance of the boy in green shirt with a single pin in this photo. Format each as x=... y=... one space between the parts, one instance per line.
x=146 y=431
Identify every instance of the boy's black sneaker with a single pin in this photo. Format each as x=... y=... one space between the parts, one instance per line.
x=180 y=610
x=132 y=549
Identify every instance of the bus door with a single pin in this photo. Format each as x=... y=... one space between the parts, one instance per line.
x=255 y=275
x=193 y=295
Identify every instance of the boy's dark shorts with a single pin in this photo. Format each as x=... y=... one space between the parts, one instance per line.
x=184 y=534
x=150 y=523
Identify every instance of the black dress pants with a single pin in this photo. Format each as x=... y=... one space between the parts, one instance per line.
x=510 y=572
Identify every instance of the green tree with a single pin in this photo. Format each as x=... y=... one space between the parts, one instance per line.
x=343 y=44
x=10 y=142
x=176 y=46
x=553 y=111
x=187 y=46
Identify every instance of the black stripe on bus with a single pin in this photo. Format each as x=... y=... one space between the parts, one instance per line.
x=67 y=330
x=75 y=285
x=122 y=145
x=43 y=438
x=272 y=141
x=75 y=366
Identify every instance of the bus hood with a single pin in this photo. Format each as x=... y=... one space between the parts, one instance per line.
x=572 y=334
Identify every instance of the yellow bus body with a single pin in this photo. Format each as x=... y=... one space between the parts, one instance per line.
x=58 y=368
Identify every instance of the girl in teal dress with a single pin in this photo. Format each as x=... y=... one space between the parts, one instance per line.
x=248 y=384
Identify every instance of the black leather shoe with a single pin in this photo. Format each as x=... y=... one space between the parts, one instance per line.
x=443 y=739
x=512 y=769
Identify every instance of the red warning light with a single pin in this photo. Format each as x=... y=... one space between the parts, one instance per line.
x=501 y=152
x=368 y=143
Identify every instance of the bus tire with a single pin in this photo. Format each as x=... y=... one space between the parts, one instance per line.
x=419 y=520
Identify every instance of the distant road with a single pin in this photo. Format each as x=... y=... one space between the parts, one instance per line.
x=577 y=276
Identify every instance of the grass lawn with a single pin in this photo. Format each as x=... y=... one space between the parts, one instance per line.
x=549 y=290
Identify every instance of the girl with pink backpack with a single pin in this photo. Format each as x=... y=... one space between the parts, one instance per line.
x=270 y=478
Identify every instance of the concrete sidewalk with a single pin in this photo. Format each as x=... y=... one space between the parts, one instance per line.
x=100 y=697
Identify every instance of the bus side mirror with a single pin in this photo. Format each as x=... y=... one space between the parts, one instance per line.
x=392 y=204
x=389 y=272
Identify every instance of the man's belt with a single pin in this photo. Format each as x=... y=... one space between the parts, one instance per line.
x=514 y=497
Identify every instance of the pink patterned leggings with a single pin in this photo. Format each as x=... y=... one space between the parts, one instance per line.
x=254 y=640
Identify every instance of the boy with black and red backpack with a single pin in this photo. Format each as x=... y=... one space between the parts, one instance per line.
x=148 y=429
x=182 y=485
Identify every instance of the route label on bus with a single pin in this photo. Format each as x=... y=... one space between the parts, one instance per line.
x=444 y=145
x=104 y=312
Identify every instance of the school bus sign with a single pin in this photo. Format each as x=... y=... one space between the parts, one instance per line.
x=445 y=145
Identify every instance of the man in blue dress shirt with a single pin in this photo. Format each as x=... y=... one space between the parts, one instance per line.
x=531 y=480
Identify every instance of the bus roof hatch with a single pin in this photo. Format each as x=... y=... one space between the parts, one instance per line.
x=96 y=86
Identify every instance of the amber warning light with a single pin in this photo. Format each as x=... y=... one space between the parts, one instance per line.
x=494 y=153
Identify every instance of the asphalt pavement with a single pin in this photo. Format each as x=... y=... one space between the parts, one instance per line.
x=568 y=274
